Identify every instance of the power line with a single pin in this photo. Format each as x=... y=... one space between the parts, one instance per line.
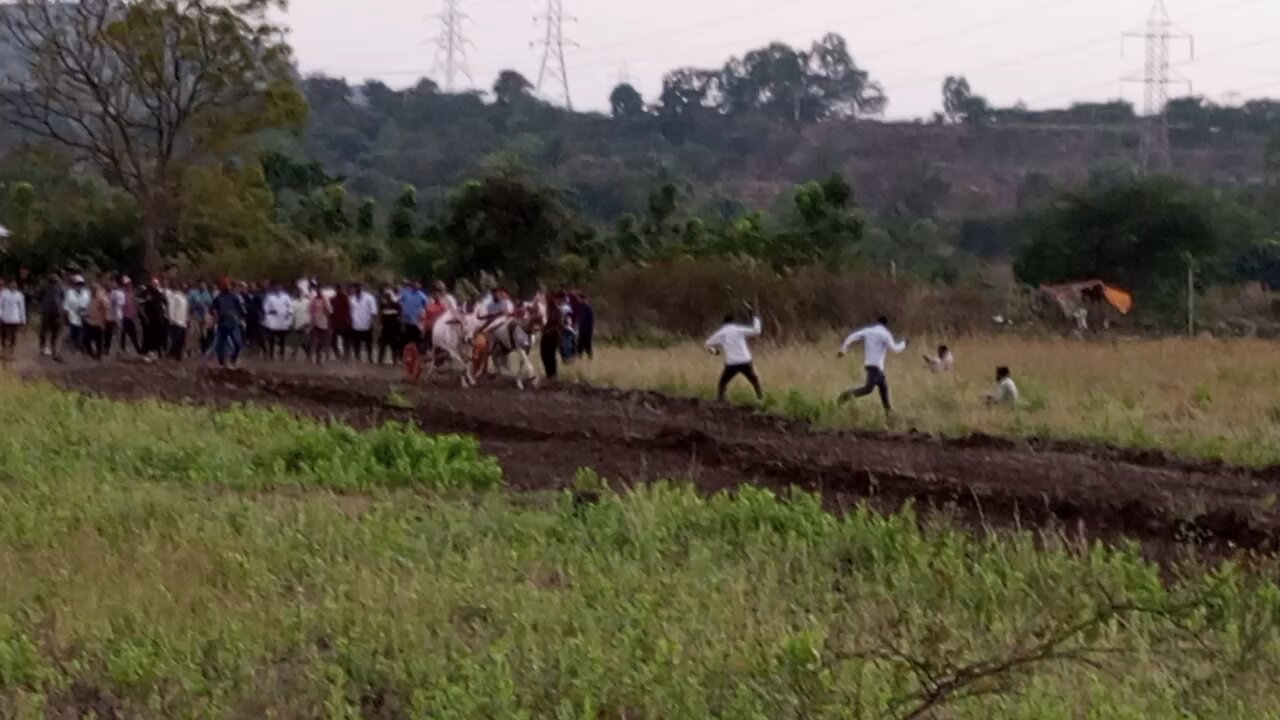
x=1157 y=77
x=553 y=64
x=451 y=45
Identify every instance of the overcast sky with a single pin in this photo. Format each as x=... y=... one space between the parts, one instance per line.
x=1043 y=52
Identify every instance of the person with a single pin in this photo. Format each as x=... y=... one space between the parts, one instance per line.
x=155 y=319
x=95 y=321
x=878 y=341
x=391 y=330
x=731 y=341
x=75 y=305
x=1006 y=392
x=126 y=302
x=13 y=315
x=51 y=314
x=340 y=336
x=301 y=323
x=364 y=309
x=178 y=302
x=447 y=298
x=568 y=329
x=413 y=305
x=199 y=301
x=321 y=326
x=228 y=324
x=254 y=299
x=113 y=319
x=945 y=362
x=584 y=317
x=549 y=345
x=277 y=309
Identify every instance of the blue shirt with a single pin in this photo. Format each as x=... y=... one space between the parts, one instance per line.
x=413 y=305
x=199 y=301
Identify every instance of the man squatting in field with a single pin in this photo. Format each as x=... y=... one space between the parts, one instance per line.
x=731 y=339
x=878 y=341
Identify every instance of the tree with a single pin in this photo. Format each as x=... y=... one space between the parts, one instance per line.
x=961 y=105
x=626 y=102
x=146 y=89
x=504 y=226
x=955 y=95
x=844 y=89
x=826 y=227
x=401 y=224
x=366 y=217
x=1136 y=234
x=800 y=86
x=510 y=87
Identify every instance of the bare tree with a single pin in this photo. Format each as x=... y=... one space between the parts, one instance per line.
x=145 y=89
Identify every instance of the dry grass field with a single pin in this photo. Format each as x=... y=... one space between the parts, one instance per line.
x=1202 y=398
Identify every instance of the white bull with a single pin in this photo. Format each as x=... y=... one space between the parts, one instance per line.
x=453 y=335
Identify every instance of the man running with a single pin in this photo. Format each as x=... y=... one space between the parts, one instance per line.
x=731 y=341
x=878 y=342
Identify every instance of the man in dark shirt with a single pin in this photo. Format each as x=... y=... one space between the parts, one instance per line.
x=228 y=313
x=51 y=317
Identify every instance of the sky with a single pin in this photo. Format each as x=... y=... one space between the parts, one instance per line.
x=1045 y=53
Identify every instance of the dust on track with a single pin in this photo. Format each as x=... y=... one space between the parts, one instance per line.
x=542 y=437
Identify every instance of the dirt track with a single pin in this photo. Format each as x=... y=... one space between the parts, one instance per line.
x=544 y=436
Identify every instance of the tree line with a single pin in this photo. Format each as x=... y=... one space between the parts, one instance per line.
x=176 y=133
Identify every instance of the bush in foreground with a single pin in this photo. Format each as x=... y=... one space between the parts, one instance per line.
x=128 y=590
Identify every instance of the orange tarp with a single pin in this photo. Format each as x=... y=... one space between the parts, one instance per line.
x=1119 y=299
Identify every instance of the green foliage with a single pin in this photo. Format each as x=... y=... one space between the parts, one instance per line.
x=779 y=82
x=503 y=225
x=626 y=102
x=511 y=87
x=155 y=87
x=238 y=448
x=1135 y=234
x=401 y=224
x=126 y=591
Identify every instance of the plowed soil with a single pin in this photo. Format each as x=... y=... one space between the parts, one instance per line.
x=543 y=436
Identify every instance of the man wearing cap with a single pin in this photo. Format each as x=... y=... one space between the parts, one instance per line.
x=228 y=320
x=75 y=305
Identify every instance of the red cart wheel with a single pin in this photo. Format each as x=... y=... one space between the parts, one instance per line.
x=412 y=363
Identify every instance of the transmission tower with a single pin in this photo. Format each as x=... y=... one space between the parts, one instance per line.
x=1159 y=35
x=451 y=45
x=553 y=66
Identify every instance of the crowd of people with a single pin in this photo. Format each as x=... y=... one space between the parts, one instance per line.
x=165 y=319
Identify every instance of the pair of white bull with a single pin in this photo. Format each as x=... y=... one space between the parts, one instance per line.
x=455 y=332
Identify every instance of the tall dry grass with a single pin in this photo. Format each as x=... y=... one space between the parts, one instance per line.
x=1201 y=398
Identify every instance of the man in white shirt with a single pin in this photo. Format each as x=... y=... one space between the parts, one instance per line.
x=364 y=309
x=277 y=320
x=75 y=305
x=1006 y=389
x=179 y=315
x=13 y=315
x=731 y=341
x=877 y=341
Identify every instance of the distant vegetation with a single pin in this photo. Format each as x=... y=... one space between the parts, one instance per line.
x=725 y=164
